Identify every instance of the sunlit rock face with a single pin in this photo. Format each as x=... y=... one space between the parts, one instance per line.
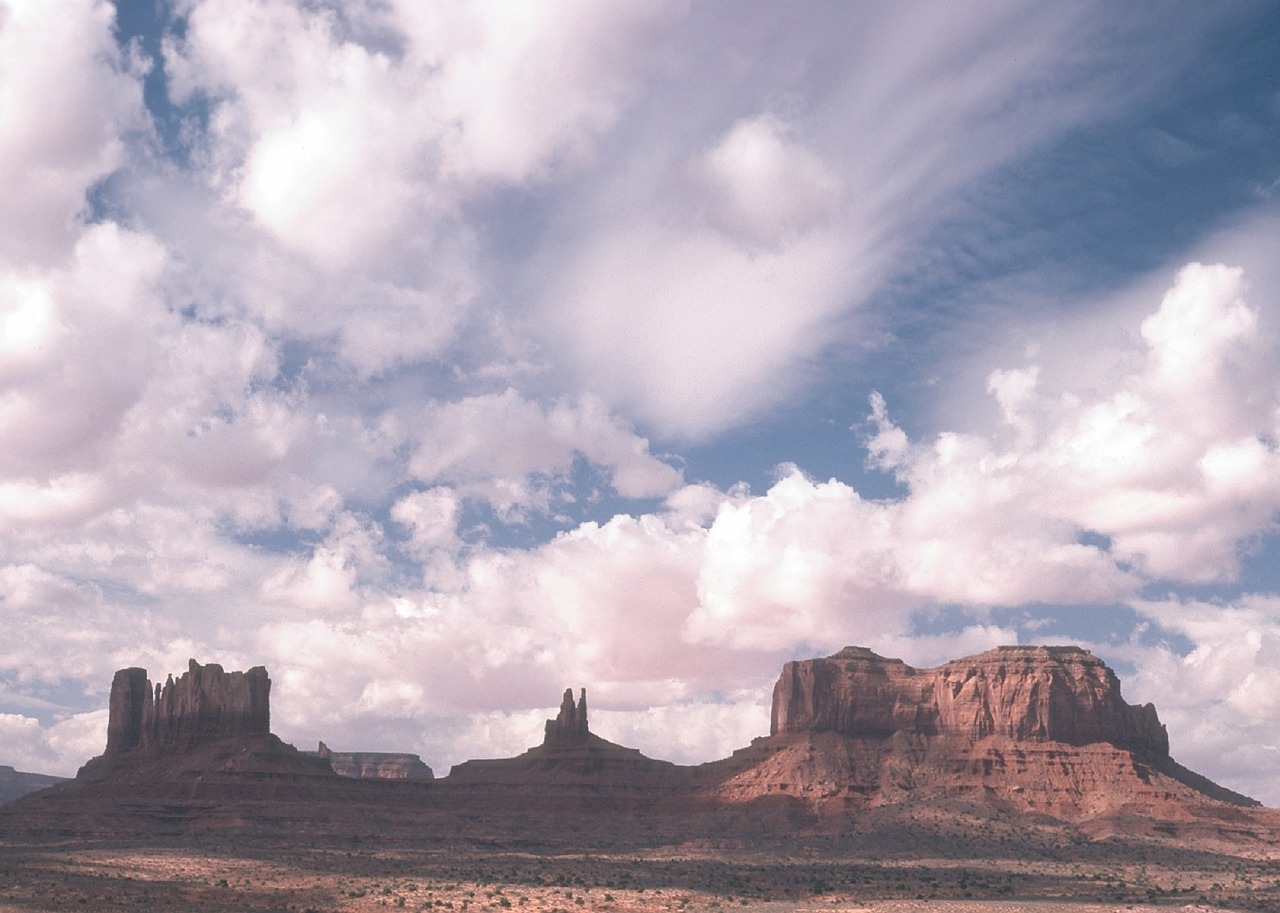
x=1039 y=729
x=1021 y=694
x=205 y=704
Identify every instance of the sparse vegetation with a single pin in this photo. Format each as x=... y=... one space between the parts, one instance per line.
x=828 y=873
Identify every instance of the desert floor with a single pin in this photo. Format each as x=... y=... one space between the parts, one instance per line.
x=214 y=876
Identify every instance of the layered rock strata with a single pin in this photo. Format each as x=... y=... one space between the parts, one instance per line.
x=1022 y=694
x=375 y=765
x=207 y=733
x=1041 y=729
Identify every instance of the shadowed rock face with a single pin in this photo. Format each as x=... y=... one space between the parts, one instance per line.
x=570 y=725
x=206 y=735
x=205 y=704
x=1022 y=694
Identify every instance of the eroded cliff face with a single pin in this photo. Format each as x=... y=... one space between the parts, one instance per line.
x=205 y=704
x=1040 y=729
x=1022 y=694
x=205 y=735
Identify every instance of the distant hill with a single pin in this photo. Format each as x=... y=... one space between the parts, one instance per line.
x=15 y=783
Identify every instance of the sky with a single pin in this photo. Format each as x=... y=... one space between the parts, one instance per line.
x=442 y=356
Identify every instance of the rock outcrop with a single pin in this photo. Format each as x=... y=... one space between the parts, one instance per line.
x=1041 y=729
x=206 y=733
x=374 y=765
x=1018 y=736
x=570 y=725
x=204 y=705
x=573 y=769
x=1023 y=694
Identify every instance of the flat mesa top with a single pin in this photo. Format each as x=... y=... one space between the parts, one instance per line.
x=1003 y=652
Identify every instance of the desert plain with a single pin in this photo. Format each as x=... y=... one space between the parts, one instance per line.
x=1048 y=871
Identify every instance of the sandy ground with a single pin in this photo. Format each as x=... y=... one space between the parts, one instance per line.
x=230 y=879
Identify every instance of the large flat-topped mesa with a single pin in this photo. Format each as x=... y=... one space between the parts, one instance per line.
x=1035 y=694
x=203 y=705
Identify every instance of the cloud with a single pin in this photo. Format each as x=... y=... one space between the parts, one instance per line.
x=58 y=749
x=340 y=148
x=330 y=187
x=522 y=88
x=510 y=451
x=77 y=347
x=687 y=329
x=760 y=186
x=1173 y=462
x=432 y=518
x=66 y=97
x=1220 y=699
x=711 y=265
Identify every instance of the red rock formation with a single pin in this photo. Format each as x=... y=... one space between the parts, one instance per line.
x=1025 y=694
x=207 y=733
x=374 y=765
x=1040 y=729
x=205 y=704
x=856 y=738
x=570 y=725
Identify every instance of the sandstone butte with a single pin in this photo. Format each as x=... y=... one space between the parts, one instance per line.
x=1021 y=731
x=380 y=765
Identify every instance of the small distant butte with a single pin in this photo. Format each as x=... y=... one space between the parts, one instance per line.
x=380 y=765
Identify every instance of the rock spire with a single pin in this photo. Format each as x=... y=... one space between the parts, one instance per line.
x=570 y=725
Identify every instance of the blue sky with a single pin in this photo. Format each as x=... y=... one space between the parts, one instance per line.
x=441 y=356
